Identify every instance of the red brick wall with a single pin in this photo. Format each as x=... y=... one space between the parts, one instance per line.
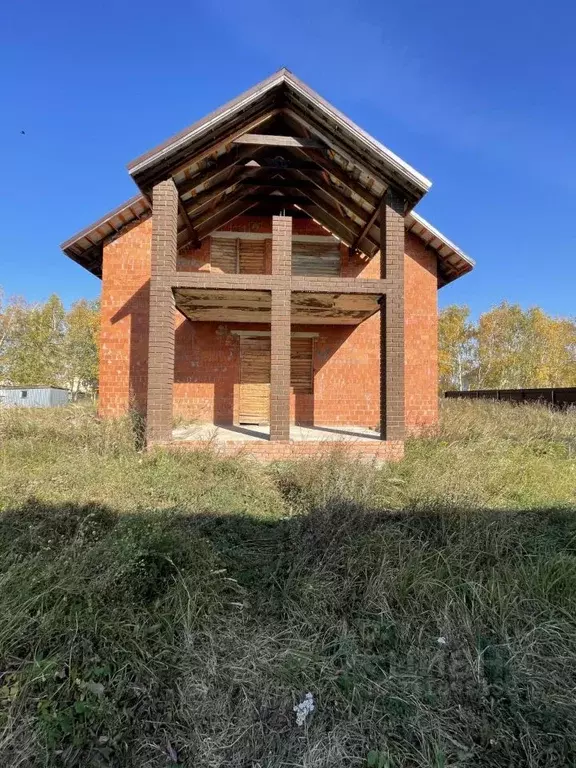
x=124 y=321
x=207 y=355
x=420 y=335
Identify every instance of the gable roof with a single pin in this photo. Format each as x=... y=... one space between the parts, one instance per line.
x=276 y=146
x=281 y=91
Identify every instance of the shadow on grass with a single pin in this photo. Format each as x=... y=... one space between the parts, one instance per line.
x=257 y=549
x=116 y=624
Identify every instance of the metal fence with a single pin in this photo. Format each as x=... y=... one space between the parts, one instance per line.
x=557 y=397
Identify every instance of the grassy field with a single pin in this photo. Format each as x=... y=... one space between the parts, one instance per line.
x=163 y=610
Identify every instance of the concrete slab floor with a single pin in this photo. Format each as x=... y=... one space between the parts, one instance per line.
x=254 y=433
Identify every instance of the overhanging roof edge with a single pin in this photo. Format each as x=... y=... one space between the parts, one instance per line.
x=411 y=219
x=443 y=239
x=416 y=177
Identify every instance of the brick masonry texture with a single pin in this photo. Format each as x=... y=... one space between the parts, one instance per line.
x=392 y=406
x=163 y=256
x=206 y=368
x=280 y=329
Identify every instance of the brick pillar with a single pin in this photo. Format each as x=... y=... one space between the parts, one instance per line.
x=280 y=329
x=392 y=407
x=161 y=337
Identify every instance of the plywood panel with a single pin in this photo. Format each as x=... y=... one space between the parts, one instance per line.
x=301 y=365
x=252 y=256
x=318 y=259
x=254 y=405
x=223 y=255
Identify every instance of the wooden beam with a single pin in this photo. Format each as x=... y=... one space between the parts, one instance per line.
x=194 y=204
x=328 y=221
x=237 y=156
x=189 y=226
x=350 y=225
x=200 y=221
x=331 y=191
x=285 y=200
x=325 y=165
x=227 y=140
x=221 y=218
x=366 y=228
x=267 y=140
x=332 y=223
x=282 y=163
x=302 y=180
x=278 y=183
x=344 y=178
x=333 y=144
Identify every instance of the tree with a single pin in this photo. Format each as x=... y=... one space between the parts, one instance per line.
x=508 y=348
x=10 y=310
x=35 y=353
x=81 y=347
x=456 y=348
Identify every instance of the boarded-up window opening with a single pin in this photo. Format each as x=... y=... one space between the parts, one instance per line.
x=251 y=256
x=223 y=255
x=236 y=255
x=316 y=259
x=254 y=405
x=302 y=365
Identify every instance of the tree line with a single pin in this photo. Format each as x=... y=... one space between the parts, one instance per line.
x=506 y=348
x=43 y=343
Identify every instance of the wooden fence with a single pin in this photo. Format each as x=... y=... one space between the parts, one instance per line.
x=557 y=397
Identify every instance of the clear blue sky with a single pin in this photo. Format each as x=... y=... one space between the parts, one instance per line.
x=480 y=97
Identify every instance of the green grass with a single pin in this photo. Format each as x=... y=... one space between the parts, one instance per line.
x=170 y=609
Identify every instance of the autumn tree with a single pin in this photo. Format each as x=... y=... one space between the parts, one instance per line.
x=80 y=346
x=456 y=347
x=508 y=348
x=9 y=315
x=43 y=344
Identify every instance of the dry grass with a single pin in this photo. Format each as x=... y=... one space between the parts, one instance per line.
x=170 y=609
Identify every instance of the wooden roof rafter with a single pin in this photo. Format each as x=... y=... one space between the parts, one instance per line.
x=213 y=167
x=227 y=141
x=328 y=167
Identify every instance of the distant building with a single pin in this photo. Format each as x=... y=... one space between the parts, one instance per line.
x=33 y=396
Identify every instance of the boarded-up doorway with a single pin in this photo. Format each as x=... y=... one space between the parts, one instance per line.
x=254 y=400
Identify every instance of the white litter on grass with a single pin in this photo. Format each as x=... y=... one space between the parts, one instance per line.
x=305 y=708
x=442 y=641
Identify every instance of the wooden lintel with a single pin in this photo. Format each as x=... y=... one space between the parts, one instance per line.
x=262 y=139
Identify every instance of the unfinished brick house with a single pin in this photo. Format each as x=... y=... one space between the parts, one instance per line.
x=271 y=277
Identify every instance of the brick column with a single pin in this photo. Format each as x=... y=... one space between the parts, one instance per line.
x=280 y=329
x=161 y=335
x=392 y=407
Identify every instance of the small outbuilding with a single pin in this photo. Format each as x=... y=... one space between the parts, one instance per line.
x=33 y=396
